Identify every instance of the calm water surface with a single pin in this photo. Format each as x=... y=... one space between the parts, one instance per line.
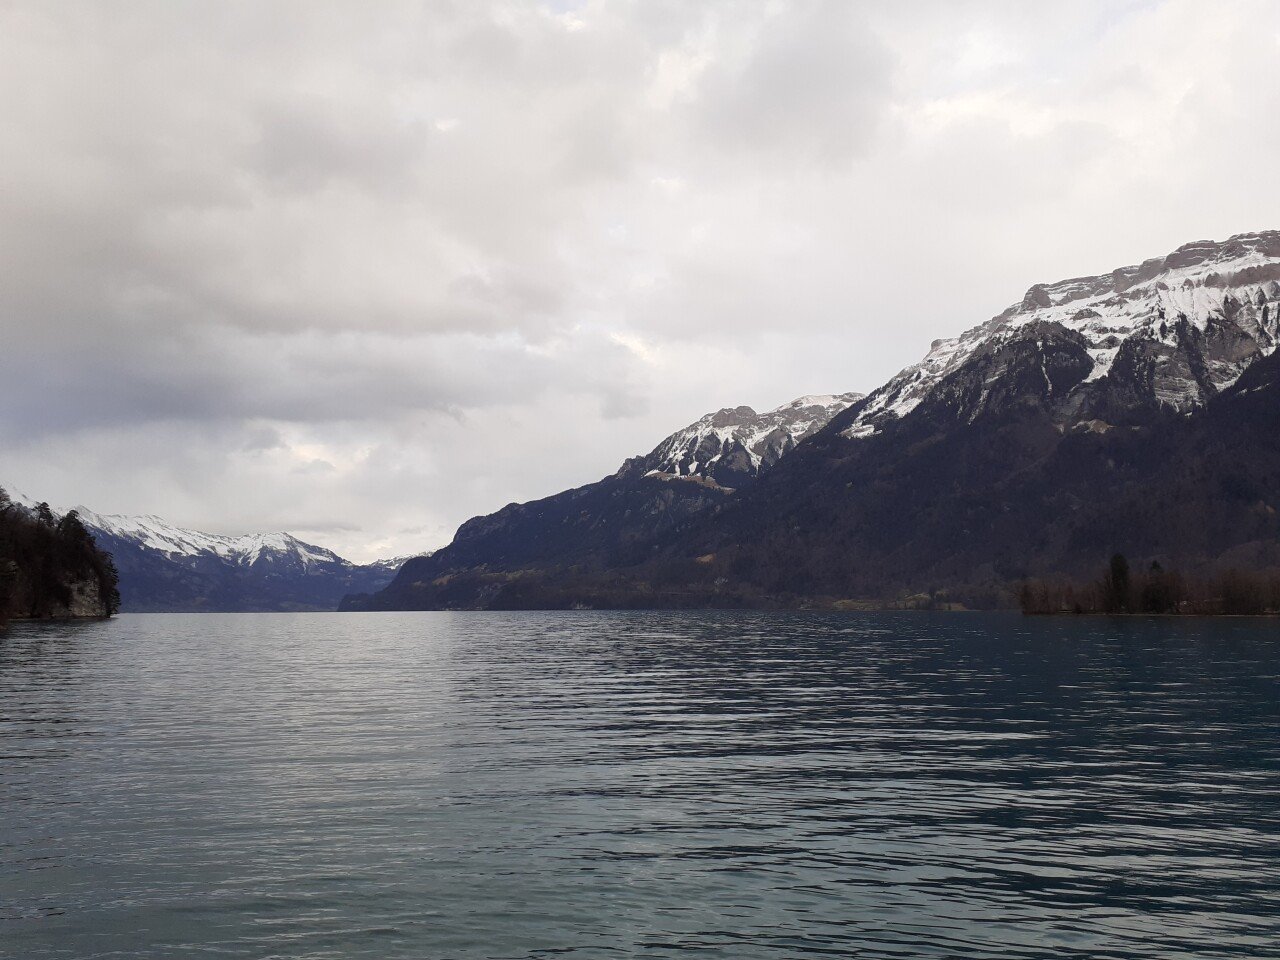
x=639 y=785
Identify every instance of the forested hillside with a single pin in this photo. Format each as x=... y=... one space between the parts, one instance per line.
x=51 y=567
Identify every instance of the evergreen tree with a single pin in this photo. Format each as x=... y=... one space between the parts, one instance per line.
x=1116 y=587
x=1162 y=591
x=71 y=527
x=109 y=584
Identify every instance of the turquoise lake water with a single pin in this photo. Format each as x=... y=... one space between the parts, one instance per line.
x=596 y=785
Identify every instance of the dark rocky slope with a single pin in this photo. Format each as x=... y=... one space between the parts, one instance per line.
x=966 y=509
x=504 y=560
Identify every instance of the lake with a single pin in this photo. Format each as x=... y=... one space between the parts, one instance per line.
x=660 y=785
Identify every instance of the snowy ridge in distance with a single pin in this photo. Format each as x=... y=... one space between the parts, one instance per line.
x=157 y=534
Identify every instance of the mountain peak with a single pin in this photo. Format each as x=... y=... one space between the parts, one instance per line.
x=733 y=445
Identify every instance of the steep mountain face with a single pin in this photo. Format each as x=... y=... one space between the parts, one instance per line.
x=615 y=521
x=167 y=568
x=734 y=445
x=1134 y=411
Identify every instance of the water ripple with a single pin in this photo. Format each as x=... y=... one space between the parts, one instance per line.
x=618 y=785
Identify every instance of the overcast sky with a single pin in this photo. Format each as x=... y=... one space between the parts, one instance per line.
x=361 y=271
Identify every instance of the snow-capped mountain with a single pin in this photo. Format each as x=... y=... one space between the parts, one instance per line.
x=736 y=444
x=1135 y=412
x=164 y=567
x=154 y=533
x=1168 y=333
x=392 y=564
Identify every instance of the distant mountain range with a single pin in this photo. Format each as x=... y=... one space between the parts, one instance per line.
x=1132 y=411
x=167 y=568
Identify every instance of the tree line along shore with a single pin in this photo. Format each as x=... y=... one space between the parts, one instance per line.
x=1120 y=590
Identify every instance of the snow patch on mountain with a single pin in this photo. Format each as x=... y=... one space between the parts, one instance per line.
x=18 y=498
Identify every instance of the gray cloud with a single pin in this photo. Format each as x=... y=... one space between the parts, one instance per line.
x=814 y=87
x=366 y=272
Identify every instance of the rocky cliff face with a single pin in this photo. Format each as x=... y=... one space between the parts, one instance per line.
x=85 y=600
